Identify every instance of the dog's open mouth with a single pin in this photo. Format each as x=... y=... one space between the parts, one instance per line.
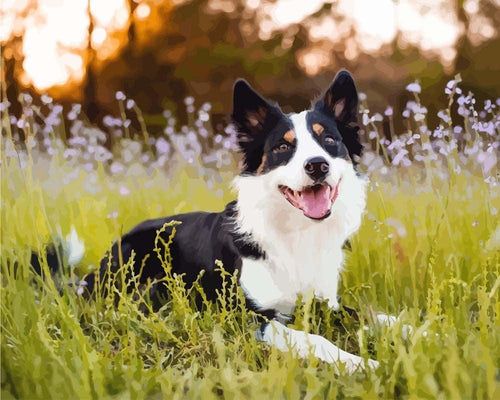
x=315 y=201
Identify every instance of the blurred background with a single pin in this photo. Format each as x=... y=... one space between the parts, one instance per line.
x=158 y=52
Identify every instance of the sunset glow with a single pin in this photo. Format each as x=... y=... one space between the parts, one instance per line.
x=430 y=25
x=55 y=26
x=142 y=11
x=55 y=33
x=56 y=36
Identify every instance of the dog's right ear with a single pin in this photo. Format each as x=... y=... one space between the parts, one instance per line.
x=253 y=117
x=341 y=99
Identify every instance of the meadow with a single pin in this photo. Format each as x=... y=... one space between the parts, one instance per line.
x=428 y=251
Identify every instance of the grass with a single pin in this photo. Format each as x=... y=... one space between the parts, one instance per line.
x=428 y=251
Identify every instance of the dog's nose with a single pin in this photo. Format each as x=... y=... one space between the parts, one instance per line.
x=317 y=168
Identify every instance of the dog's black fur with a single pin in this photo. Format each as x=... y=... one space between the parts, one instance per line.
x=200 y=240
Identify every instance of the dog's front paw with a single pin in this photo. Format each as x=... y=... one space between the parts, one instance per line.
x=328 y=352
x=390 y=321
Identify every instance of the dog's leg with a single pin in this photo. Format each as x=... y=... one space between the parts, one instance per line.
x=303 y=344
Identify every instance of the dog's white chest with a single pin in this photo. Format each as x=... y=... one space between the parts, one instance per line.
x=276 y=284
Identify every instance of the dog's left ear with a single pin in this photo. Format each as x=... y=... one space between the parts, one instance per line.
x=341 y=99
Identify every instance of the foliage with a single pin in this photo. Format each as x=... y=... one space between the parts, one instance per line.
x=427 y=251
x=201 y=46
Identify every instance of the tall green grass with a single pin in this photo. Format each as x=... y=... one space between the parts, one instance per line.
x=428 y=251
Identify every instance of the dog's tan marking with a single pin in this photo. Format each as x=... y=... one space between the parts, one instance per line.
x=257 y=117
x=289 y=136
x=318 y=129
x=262 y=165
x=338 y=108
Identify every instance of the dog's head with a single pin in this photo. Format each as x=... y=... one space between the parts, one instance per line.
x=306 y=160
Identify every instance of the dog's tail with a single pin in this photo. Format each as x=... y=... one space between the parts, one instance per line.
x=59 y=253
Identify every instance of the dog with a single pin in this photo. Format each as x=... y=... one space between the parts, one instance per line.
x=299 y=199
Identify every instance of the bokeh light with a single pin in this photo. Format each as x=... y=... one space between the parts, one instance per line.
x=55 y=35
x=195 y=46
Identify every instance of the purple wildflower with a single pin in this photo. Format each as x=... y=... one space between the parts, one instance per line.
x=203 y=132
x=162 y=146
x=130 y=104
x=124 y=191
x=399 y=156
x=4 y=105
x=117 y=168
x=414 y=87
x=46 y=99
x=444 y=116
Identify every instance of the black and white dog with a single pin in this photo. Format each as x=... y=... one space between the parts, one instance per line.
x=299 y=198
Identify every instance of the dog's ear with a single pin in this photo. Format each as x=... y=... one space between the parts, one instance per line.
x=341 y=99
x=254 y=117
x=251 y=112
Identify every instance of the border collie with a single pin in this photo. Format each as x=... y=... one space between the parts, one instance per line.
x=299 y=198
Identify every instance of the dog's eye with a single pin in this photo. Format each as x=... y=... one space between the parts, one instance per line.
x=281 y=148
x=330 y=140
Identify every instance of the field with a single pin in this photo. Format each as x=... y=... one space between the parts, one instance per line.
x=428 y=251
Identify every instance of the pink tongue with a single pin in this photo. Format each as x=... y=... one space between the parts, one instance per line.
x=316 y=203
